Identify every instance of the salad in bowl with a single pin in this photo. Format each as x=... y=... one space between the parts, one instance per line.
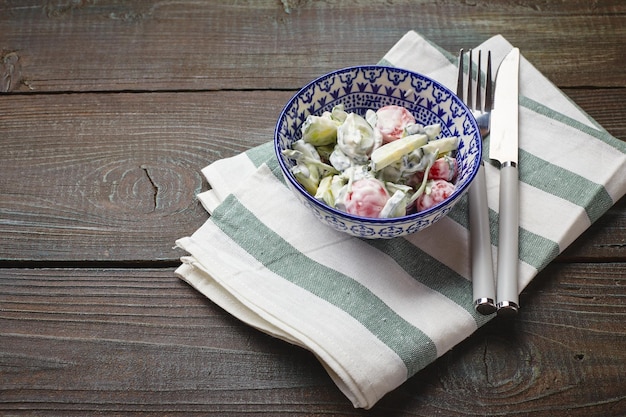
x=377 y=152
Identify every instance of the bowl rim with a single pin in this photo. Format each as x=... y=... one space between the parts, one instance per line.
x=458 y=192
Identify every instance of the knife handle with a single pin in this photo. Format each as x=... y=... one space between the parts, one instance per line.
x=483 y=282
x=508 y=241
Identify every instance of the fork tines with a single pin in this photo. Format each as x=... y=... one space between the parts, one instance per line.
x=468 y=97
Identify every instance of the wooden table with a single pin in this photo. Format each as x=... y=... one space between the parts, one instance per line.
x=109 y=111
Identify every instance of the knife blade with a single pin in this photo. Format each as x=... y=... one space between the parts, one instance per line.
x=504 y=149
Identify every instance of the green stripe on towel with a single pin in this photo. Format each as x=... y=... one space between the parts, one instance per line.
x=414 y=348
x=261 y=154
x=264 y=154
x=431 y=273
x=562 y=183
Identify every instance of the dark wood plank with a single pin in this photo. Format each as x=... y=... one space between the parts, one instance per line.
x=606 y=106
x=142 y=342
x=138 y=342
x=113 y=177
x=260 y=44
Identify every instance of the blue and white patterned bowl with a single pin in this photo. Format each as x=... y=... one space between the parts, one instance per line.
x=371 y=87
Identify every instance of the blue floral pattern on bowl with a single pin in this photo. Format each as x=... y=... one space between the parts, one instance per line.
x=371 y=87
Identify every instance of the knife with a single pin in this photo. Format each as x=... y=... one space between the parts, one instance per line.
x=504 y=149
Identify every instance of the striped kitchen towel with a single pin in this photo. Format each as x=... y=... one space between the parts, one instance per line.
x=375 y=312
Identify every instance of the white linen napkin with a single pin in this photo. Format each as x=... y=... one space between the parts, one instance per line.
x=376 y=312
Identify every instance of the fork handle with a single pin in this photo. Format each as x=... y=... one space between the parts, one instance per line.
x=483 y=283
x=508 y=240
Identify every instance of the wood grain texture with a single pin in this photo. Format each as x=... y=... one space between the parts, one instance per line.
x=140 y=342
x=114 y=176
x=259 y=44
x=606 y=106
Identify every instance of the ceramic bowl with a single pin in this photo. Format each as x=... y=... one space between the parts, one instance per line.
x=371 y=87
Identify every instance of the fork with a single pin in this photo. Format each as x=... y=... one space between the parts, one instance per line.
x=483 y=282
